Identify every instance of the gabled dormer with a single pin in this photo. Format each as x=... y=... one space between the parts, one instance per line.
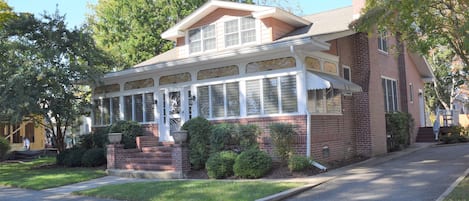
x=222 y=25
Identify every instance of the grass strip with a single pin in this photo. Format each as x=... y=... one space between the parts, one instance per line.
x=461 y=192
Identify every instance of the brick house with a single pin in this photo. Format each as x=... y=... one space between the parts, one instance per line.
x=252 y=64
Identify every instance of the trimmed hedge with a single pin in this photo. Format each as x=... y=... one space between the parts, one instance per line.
x=222 y=137
x=282 y=135
x=130 y=130
x=71 y=157
x=252 y=164
x=94 y=157
x=199 y=130
x=220 y=165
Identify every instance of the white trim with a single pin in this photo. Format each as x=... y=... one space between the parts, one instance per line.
x=283 y=16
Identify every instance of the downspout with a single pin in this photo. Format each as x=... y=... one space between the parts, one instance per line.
x=308 y=134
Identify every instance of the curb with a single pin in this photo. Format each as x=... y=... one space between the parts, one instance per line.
x=290 y=192
x=453 y=185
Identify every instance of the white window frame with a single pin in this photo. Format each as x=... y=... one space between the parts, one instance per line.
x=395 y=96
x=144 y=109
x=239 y=31
x=202 y=39
x=383 y=45
x=101 y=110
x=324 y=103
x=225 y=99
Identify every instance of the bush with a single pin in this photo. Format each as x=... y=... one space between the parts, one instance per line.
x=282 y=135
x=71 y=157
x=94 y=157
x=220 y=165
x=453 y=138
x=246 y=137
x=252 y=163
x=399 y=128
x=298 y=163
x=198 y=135
x=4 y=148
x=221 y=137
x=130 y=130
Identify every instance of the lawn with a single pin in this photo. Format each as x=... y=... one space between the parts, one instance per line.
x=190 y=190
x=461 y=192
x=42 y=173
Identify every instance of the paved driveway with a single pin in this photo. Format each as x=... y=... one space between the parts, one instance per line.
x=423 y=175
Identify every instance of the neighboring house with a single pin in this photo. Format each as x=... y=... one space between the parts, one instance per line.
x=27 y=129
x=250 y=64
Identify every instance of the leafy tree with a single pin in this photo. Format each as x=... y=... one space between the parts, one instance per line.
x=6 y=13
x=43 y=66
x=423 y=24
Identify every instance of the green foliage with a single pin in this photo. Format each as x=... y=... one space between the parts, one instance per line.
x=97 y=139
x=71 y=157
x=220 y=165
x=456 y=134
x=130 y=130
x=399 y=126
x=252 y=164
x=4 y=147
x=298 y=163
x=282 y=135
x=94 y=157
x=222 y=137
x=246 y=137
x=198 y=135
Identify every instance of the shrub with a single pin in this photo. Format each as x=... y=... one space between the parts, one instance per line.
x=70 y=157
x=246 y=137
x=298 y=163
x=252 y=163
x=4 y=148
x=282 y=135
x=198 y=135
x=220 y=165
x=93 y=157
x=453 y=138
x=130 y=130
x=399 y=128
x=221 y=137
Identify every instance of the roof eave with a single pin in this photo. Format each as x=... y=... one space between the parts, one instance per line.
x=283 y=16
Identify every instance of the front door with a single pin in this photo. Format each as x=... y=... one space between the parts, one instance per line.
x=173 y=111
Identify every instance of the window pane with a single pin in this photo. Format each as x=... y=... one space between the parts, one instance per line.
x=248 y=36
x=394 y=95
x=385 y=93
x=231 y=39
x=128 y=108
x=218 y=101
x=232 y=99
x=138 y=108
x=270 y=96
x=333 y=101
x=194 y=47
x=97 y=112
x=319 y=100
x=289 y=96
x=209 y=31
x=231 y=26
x=106 y=111
x=347 y=74
x=194 y=35
x=253 y=97
x=248 y=23
x=149 y=108
x=203 y=102
x=115 y=109
x=389 y=95
x=209 y=44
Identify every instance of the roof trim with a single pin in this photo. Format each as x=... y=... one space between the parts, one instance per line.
x=422 y=67
x=282 y=14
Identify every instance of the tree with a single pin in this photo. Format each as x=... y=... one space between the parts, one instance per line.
x=6 y=13
x=43 y=68
x=423 y=25
x=130 y=29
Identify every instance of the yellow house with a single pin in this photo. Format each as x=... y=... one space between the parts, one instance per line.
x=27 y=129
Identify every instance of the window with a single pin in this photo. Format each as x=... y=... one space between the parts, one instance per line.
x=382 y=41
x=324 y=101
x=220 y=100
x=202 y=39
x=277 y=95
x=115 y=109
x=106 y=111
x=17 y=133
x=390 y=95
x=29 y=131
x=271 y=64
x=411 y=91
x=240 y=31
x=347 y=73
x=139 y=107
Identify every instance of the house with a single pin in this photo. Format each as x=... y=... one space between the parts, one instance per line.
x=14 y=133
x=250 y=64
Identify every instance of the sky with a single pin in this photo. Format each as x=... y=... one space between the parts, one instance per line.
x=76 y=10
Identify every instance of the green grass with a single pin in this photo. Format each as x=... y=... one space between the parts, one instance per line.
x=189 y=190
x=37 y=175
x=461 y=192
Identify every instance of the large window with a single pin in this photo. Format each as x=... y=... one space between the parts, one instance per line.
x=139 y=107
x=106 y=111
x=240 y=31
x=390 y=95
x=382 y=41
x=202 y=39
x=220 y=100
x=271 y=95
x=324 y=101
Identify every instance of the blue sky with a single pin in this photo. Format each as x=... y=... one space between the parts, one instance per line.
x=76 y=10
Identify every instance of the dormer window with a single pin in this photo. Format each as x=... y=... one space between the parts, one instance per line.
x=202 y=39
x=240 y=31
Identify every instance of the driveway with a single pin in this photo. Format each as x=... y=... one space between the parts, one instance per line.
x=422 y=175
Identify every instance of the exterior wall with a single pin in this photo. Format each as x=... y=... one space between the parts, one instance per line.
x=219 y=14
x=276 y=28
x=39 y=139
x=413 y=76
x=333 y=49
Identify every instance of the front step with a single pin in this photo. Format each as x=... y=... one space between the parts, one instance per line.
x=145 y=174
x=142 y=166
x=159 y=161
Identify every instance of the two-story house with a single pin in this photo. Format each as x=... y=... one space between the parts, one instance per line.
x=251 y=64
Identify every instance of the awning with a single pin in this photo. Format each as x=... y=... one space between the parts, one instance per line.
x=318 y=80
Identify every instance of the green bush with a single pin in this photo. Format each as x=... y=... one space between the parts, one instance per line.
x=130 y=130
x=453 y=138
x=252 y=163
x=282 y=135
x=246 y=137
x=71 y=157
x=94 y=157
x=298 y=163
x=198 y=135
x=220 y=165
x=399 y=128
x=4 y=148
x=221 y=137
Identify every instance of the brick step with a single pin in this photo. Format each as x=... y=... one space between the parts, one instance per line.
x=156 y=160
x=150 y=155
x=156 y=149
x=140 y=166
x=147 y=141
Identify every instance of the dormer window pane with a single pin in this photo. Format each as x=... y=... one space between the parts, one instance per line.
x=194 y=40
x=248 y=36
x=231 y=33
x=202 y=38
x=209 y=37
x=247 y=23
